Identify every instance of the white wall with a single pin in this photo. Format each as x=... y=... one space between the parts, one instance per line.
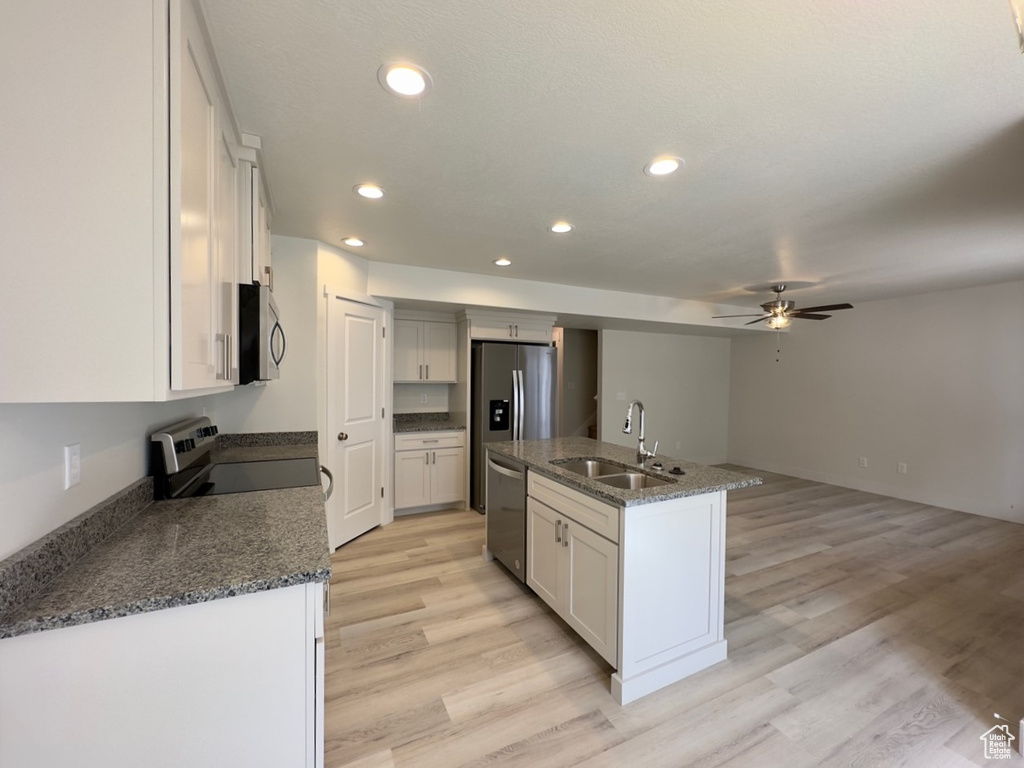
x=409 y=398
x=683 y=382
x=935 y=381
x=114 y=454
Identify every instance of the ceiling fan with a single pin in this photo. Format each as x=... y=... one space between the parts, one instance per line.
x=778 y=313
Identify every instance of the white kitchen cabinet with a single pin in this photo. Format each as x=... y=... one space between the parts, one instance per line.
x=430 y=468
x=235 y=681
x=254 y=262
x=121 y=295
x=424 y=351
x=502 y=326
x=576 y=572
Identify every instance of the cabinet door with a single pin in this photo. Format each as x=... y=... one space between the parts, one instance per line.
x=543 y=553
x=412 y=478
x=532 y=333
x=491 y=331
x=447 y=475
x=592 y=592
x=439 y=352
x=408 y=350
x=262 y=272
x=194 y=156
x=225 y=299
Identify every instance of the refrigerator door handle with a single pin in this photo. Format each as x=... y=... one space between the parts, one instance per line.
x=515 y=406
x=520 y=415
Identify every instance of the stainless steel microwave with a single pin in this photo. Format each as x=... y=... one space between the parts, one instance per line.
x=261 y=341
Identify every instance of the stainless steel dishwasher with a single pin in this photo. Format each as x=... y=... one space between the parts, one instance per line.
x=506 y=513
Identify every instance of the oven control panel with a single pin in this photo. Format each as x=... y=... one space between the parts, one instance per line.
x=182 y=444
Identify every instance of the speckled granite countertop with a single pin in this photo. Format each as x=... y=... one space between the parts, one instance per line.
x=425 y=422
x=184 y=551
x=426 y=426
x=537 y=455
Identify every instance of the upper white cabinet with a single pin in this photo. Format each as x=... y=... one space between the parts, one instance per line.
x=120 y=165
x=425 y=351
x=254 y=217
x=509 y=326
x=203 y=220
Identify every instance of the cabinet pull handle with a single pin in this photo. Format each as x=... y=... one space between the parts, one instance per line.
x=426 y=458
x=428 y=372
x=421 y=370
x=430 y=441
x=565 y=535
x=517 y=331
x=227 y=365
x=434 y=454
x=510 y=330
x=558 y=531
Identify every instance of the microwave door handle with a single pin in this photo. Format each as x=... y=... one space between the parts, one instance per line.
x=284 y=344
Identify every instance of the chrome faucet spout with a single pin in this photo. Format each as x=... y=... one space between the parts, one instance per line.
x=642 y=454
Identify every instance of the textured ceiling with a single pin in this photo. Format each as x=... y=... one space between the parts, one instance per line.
x=865 y=150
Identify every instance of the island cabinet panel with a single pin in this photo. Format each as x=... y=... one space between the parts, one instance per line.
x=235 y=681
x=576 y=572
x=673 y=587
x=543 y=542
x=591 y=565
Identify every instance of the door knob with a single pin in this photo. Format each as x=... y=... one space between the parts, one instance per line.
x=342 y=436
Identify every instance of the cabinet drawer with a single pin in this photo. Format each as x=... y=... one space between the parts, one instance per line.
x=414 y=441
x=598 y=516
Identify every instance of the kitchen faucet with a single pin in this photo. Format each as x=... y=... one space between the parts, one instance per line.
x=642 y=454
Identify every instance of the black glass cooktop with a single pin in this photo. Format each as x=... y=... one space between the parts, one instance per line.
x=243 y=476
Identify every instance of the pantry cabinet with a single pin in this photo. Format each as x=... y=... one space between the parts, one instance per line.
x=430 y=468
x=424 y=351
x=122 y=289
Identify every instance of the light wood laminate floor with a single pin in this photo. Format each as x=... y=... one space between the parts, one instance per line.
x=863 y=631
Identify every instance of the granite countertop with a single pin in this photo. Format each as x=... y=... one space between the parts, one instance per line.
x=194 y=550
x=425 y=422
x=427 y=426
x=537 y=455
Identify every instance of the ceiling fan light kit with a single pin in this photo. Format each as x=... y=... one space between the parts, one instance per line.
x=779 y=312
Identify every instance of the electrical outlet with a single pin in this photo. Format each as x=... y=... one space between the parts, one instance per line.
x=72 y=465
x=423 y=399
x=901 y=467
x=863 y=461
x=679 y=445
x=620 y=395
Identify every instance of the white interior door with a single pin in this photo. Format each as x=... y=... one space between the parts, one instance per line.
x=355 y=418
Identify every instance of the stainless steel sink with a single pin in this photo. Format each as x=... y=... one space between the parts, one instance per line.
x=591 y=467
x=633 y=481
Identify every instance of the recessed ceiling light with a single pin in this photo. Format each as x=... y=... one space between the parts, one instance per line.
x=561 y=226
x=355 y=242
x=661 y=166
x=503 y=262
x=371 y=191
x=403 y=79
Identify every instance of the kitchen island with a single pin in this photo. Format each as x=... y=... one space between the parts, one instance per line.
x=169 y=633
x=639 y=573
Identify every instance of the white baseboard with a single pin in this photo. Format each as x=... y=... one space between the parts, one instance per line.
x=625 y=691
x=945 y=501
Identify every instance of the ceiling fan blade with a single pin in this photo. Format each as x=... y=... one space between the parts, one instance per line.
x=716 y=317
x=826 y=308
x=809 y=317
x=759 y=320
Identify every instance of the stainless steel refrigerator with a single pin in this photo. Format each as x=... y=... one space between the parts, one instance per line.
x=513 y=399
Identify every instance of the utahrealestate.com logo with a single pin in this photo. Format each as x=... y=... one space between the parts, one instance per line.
x=998 y=743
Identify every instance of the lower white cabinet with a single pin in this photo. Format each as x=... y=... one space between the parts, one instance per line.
x=643 y=585
x=430 y=468
x=235 y=681
x=576 y=572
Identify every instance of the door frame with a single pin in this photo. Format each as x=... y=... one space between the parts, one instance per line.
x=330 y=294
